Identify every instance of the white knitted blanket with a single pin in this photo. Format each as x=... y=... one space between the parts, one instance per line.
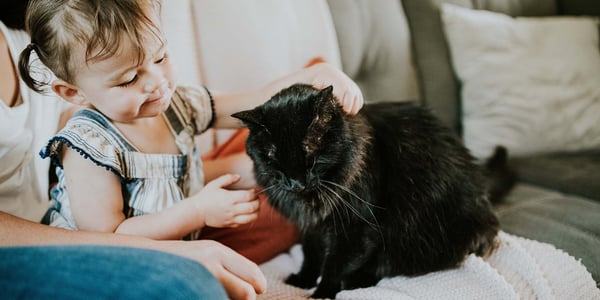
x=519 y=269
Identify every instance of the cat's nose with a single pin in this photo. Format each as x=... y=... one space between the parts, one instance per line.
x=292 y=185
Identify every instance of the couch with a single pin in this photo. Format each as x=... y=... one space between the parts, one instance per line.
x=396 y=51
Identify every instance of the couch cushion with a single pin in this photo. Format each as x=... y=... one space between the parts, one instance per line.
x=437 y=84
x=572 y=173
x=375 y=48
x=568 y=222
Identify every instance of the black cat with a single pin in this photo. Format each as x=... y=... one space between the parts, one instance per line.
x=387 y=192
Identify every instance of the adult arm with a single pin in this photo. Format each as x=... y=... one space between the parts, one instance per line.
x=241 y=278
x=238 y=163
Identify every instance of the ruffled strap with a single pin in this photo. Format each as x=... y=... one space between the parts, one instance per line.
x=95 y=138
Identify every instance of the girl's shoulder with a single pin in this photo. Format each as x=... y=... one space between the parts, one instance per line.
x=94 y=137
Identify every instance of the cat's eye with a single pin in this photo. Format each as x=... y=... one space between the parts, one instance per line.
x=271 y=152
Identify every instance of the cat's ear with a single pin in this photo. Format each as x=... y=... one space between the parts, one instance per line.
x=326 y=100
x=328 y=91
x=248 y=117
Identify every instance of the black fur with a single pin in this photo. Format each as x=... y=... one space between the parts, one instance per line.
x=387 y=192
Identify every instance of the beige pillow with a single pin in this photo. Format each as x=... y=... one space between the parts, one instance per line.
x=530 y=84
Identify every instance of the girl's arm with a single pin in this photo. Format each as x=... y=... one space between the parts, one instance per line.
x=320 y=75
x=97 y=204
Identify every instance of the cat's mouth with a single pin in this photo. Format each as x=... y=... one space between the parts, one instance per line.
x=293 y=186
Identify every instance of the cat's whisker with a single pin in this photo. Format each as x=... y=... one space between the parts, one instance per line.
x=344 y=214
x=354 y=210
x=266 y=189
x=349 y=191
x=334 y=210
x=345 y=189
x=375 y=226
x=313 y=165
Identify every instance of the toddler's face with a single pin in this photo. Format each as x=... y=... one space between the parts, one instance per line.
x=125 y=90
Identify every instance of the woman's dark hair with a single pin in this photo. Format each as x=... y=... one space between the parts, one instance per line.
x=12 y=13
x=60 y=28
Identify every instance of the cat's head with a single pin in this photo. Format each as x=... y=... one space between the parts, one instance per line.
x=300 y=144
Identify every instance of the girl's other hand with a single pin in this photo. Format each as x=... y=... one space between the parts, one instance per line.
x=226 y=208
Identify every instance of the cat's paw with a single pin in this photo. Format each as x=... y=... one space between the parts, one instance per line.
x=299 y=281
x=325 y=292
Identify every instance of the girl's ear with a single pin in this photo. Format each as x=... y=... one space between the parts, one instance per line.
x=68 y=92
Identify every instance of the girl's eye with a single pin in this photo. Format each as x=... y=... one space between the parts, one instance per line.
x=129 y=82
x=162 y=59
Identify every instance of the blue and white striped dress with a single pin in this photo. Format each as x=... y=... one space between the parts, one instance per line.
x=151 y=182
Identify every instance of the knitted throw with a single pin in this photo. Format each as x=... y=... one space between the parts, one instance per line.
x=519 y=269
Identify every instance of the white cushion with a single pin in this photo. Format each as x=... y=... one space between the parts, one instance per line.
x=530 y=84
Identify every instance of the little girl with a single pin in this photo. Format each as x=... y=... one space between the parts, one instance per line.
x=127 y=162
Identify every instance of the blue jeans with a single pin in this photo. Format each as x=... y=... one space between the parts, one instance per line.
x=101 y=272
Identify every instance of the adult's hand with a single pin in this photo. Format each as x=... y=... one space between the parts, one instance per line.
x=241 y=278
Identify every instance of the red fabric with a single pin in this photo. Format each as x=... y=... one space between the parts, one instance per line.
x=315 y=60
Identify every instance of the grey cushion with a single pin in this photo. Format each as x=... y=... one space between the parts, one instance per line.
x=579 y=7
x=437 y=84
x=571 y=173
x=568 y=222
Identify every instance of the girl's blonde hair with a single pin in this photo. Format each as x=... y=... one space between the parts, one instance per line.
x=59 y=27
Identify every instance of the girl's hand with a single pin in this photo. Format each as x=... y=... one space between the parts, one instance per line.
x=345 y=89
x=226 y=208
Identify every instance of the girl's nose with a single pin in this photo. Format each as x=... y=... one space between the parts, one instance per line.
x=150 y=88
x=155 y=87
x=154 y=82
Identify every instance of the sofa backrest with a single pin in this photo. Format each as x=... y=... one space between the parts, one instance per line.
x=375 y=48
x=438 y=85
x=239 y=45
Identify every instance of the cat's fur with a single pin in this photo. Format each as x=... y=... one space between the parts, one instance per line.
x=389 y=191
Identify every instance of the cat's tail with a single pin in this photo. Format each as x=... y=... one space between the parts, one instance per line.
x=500 y=177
